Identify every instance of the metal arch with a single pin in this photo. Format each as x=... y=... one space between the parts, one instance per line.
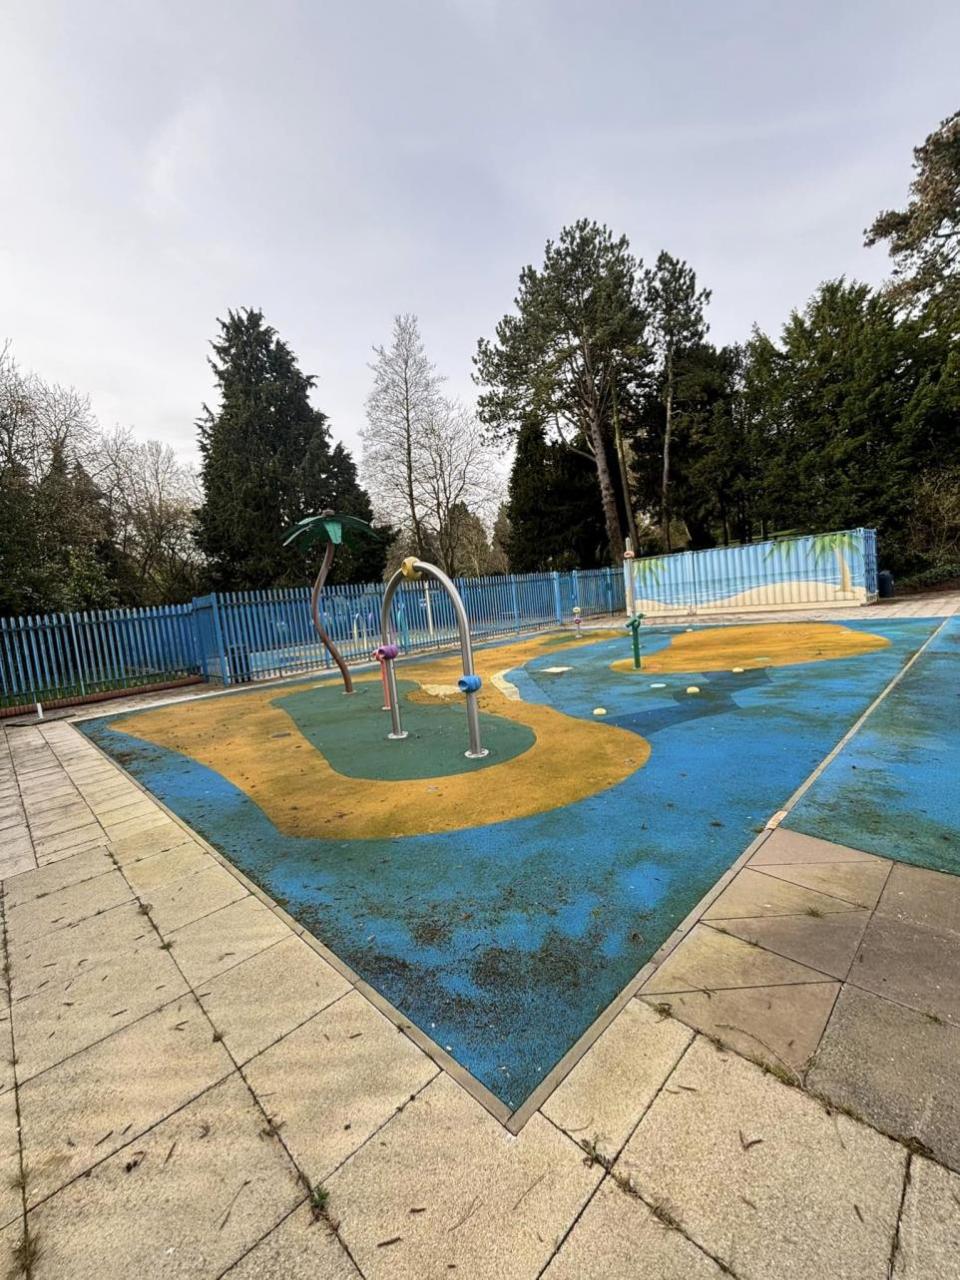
x=476 y=750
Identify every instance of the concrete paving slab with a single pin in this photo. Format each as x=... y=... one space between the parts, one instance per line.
x=128 y=803
x=99 y=940
x=54 y=820
x=336 y=1079
x=109 y=793
x=751 y=893
x=927 y=898
x=912 y=965
x=15 y=863
x=182 y=901
x=929 y=1244
x=709 y=960
x=58 y=875
x=825 y=943
x=895 y=1067
x=144 y=844
x=778 y=1026
x=36 y=917
x=456 y=1195
x=11 y=1207
x=607 y=1092
x=618 y=1238
x=79 y=1008
x=763 y=1177
x=255 y=1003
x=225 y=938
x=118 y=830
x=151 y=815
x=124 y=808
x=300 y=1248
x=185 y=1201
x=7 y=1079
x=149 y=874
x=52 y=848
x=10 y=1238
x=858 y=882
x=84 y=1109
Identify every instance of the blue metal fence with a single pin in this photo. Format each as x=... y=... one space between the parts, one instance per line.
x=821 y=569
x=80 y=655
x=236 y=637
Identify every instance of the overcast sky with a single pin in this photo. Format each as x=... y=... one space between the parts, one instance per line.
x=334 y=163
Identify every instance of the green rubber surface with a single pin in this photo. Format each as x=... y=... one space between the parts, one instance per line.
x=357 y=746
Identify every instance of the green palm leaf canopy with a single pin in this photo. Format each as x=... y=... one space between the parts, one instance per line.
x=329 y=526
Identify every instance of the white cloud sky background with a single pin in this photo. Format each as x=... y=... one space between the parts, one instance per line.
x=335 y=163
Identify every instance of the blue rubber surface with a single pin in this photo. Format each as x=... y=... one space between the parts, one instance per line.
x=895 y=787
x=503 y=943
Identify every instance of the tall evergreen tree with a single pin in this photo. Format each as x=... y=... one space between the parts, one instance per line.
x=677 y=322
x=924 y=238
x=852 y=406
x=555 y=518
x=578 y=320
x=267 y=460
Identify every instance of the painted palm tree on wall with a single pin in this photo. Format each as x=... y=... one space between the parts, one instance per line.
x=649 y=570
x=846 y=549
x=333 y=530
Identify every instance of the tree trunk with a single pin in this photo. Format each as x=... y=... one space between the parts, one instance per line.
x=624 y=474
x=608 y=496
x=665 y=479
x=408 y=465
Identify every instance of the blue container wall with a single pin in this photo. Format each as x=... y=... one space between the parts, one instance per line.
x=822 y=569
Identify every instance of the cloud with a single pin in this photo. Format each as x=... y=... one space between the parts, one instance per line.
x=181 y=154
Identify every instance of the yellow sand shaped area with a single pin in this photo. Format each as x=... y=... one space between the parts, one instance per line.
x=302 y=795
x=767 y=644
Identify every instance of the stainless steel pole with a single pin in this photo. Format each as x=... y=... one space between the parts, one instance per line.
x=398 y=730
x=476 y=751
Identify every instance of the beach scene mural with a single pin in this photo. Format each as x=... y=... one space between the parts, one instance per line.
x=825 y=569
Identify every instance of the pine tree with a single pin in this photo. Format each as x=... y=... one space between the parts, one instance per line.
x=579 y=319
x=676 y=311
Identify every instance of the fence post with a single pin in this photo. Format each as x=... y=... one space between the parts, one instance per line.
x=557 y=603
x=574 y=587
x=76 y=653
x=516 y=602
x=226 y=676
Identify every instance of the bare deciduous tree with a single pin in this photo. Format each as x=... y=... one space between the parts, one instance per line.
x=152 y=498
x=455 y=479
x=405 y=397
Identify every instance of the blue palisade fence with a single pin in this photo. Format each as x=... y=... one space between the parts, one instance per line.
x=235 y=637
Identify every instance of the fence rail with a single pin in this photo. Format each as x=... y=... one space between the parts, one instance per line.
x=235 y=637
x=837 y=568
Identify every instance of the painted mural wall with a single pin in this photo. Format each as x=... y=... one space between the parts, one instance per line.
x=821 y=569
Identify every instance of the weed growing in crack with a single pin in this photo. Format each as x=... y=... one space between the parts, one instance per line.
x=26 y=1255
x=593 y=1153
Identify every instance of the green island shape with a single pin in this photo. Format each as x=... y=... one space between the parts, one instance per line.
x=350 y=731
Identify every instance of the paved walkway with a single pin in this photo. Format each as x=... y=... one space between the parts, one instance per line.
x=193 y=1089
